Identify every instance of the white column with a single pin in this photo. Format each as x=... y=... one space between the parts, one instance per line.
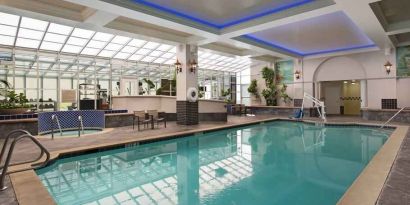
x=363 y=93
x=186 y=79
x=187 y=112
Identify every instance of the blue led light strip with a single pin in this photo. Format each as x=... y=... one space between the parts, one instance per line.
x=296 y=52
x=221 y=26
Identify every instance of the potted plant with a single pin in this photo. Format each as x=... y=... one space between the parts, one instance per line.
x=226 y=94
x=274 y=90
x=14 y=103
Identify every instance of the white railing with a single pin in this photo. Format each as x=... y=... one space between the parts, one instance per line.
x=319 y=105
x=390 y=119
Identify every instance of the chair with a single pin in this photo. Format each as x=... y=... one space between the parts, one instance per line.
x=155 y=117
x=140 y=117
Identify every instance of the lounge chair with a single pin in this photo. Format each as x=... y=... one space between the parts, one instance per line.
x=140 y=117
x=155 y=117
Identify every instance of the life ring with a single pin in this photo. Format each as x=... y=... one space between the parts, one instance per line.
x=192 y=94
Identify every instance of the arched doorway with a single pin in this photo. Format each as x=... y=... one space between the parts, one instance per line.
x=340 y=82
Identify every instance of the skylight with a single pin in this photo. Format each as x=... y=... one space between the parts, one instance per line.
x=37 y=34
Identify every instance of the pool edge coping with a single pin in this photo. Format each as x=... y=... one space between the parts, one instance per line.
x=348 y=197
x=367 y=187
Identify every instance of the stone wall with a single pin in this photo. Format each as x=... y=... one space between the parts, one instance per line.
x=384 y=115
x=187 y=113
x=7 y=126
x=277 y=110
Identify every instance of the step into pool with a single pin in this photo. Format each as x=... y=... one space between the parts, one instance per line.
x=276 y=162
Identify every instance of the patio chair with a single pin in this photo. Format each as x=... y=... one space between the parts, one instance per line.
x=155 y=117
x=141 y=119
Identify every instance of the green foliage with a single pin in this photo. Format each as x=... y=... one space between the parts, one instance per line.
x=14 y=100
x=282 y=93
x=269 y=75
x=158 y=91
x=273 y=91
x=200 y=93
x=253 y=88
x=227 y=95
x=270 y=94
x=150 y=84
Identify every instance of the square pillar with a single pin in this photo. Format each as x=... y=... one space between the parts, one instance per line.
x=187 y=112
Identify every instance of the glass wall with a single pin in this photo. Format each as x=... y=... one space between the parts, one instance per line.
x=44 y=77
x=43 y=60
x=243 y=79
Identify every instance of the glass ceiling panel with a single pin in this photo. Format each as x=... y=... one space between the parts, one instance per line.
x=57 y=38
x=76 y=41
x=9 y=19
x=31 y=34
x=37 y=34
x=33 y=24
x=60 y=29
x=6 y=40
x=8 y=30
x=27 y=43
x=82 y=33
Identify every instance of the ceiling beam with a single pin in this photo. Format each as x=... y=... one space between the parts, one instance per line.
x=293 y=15
x=398 y=28
x=363 y=16
x=99 y=18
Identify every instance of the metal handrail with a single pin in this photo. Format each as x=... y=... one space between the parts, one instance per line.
x=10 y=153
x=3 y=150
x=397 y=113
x=55 y=119
x=80 y=125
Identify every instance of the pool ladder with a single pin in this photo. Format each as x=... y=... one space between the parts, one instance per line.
x=19 y=135
x=55 y=120
x=80 y=125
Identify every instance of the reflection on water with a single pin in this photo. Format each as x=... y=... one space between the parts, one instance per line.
x=273 y=163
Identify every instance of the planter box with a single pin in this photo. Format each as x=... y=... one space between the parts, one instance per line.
x=13 y=111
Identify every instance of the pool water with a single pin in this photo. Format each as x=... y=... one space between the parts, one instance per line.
x=277 y=162
x=72 y=133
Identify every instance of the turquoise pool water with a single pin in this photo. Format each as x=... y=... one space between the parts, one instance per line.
x=272 y=163
x=72 y=133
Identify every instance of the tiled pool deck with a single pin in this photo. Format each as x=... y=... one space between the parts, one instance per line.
x=395 y=190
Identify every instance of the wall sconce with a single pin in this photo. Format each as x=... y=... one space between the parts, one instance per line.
x=298 y=74
x=193 y=66
x=178 y=67
x=388 y=67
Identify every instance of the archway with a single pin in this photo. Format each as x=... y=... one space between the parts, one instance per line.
x=339 y=83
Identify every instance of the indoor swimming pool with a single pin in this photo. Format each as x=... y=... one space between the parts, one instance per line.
x=278 y=162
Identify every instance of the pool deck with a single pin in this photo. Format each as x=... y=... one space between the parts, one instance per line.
x=29 y=190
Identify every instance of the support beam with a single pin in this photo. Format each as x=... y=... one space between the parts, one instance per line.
x=398 y=28
x=308 y=11
x=100 y=18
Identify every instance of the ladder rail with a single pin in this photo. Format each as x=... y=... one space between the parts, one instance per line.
x=7 y=163
x=9 y=135
x=80 y=125
x=55 y=119
x=390 y=119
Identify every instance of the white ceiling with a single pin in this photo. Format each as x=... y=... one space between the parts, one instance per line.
x=320 y=34
x=285 y=26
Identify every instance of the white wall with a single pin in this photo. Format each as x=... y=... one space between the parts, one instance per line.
x=361 y=66
x=163 y=104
